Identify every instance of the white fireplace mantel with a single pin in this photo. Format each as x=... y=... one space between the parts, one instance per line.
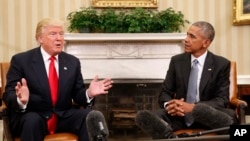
x=74 y=37
x=129 y=56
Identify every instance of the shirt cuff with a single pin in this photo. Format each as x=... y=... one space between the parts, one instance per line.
x=21 y=105
x=88 y=98
x=165 y=104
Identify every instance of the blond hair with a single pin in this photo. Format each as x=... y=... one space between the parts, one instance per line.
x=47 y=22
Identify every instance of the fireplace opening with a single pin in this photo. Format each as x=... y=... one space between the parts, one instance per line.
x=122 y=103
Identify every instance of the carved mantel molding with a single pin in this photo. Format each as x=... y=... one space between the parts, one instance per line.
x=124 y=37
x=129 y=56
x=125 y=45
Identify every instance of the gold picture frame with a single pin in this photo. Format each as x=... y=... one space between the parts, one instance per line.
x=241 y=12
x=124 y=3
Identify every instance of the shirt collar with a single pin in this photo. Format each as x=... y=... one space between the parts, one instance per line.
x=201 y=58
x=46 y=56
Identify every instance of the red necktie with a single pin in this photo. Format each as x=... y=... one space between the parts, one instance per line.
x=53 y=82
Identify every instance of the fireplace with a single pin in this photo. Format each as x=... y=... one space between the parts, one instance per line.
x=136 y=62
x=122 y=103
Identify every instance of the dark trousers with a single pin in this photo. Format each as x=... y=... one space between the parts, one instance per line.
x=179 y=123
x=30 y=126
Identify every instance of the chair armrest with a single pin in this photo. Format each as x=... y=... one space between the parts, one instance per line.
x=6 y=127
x=3 y=111
x=238 y=103
x=240 y=106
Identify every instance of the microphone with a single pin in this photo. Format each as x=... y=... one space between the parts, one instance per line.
x=200 y=114
x=96 y=126
x=153 y=125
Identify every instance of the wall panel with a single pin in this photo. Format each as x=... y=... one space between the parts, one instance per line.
x=18 y=20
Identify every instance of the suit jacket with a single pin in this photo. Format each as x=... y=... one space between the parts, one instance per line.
x=214 y=83
x=30 y=65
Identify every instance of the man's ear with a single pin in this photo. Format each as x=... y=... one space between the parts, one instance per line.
x=39 y=39
x=206 y=43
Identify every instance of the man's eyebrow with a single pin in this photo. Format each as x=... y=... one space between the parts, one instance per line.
x=190 y=34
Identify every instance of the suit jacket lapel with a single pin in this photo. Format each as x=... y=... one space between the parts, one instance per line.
x=185 y=66
x=63 y=70
x=40 y=71
x=207 y=71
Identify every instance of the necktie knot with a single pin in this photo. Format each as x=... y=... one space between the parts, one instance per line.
x=52 y=58
x=195 y=62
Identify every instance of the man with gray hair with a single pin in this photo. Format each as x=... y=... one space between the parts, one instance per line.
x=195 y=92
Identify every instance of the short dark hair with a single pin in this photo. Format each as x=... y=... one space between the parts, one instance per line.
x=207 y=29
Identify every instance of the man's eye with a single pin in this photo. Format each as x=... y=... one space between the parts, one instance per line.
x=61 y=33
x=52 y=33
x=192 y=36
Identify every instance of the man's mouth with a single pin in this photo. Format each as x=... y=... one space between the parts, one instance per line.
x=58 y=45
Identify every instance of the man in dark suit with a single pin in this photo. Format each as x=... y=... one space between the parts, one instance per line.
x=212 y=85
x=28 y=95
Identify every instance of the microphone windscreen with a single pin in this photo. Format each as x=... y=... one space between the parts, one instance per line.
x=96 y=126
x=210 y=117
x=153 y=125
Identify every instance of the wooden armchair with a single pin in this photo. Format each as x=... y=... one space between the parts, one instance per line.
x=4 y=67
x=235 y=103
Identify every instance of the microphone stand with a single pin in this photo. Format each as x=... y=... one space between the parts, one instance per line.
x=209 y=131
x=197 y=136
x=201 y=138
